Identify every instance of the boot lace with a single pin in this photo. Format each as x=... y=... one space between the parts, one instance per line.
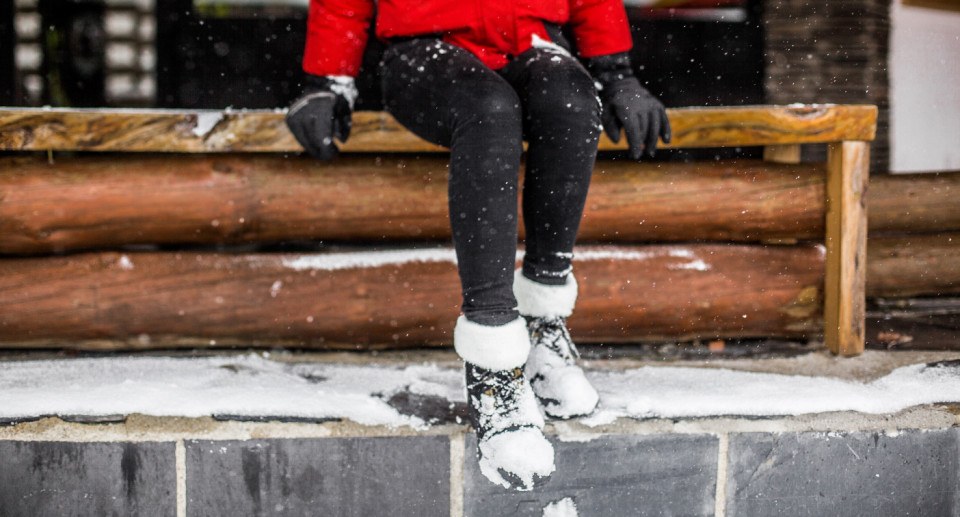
x=553 y=334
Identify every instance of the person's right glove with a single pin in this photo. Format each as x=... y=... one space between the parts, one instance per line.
x=628 y=105
x=322 y=112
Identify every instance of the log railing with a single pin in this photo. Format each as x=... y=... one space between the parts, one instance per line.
x=96 y=202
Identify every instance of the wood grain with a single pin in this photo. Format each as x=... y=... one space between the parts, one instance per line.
x=25 y=129
x=913 y=265
x=98 y=202
x=786 y=153
x=108 y=302
x=627 y=294
x=846 y=242
x=914 y=203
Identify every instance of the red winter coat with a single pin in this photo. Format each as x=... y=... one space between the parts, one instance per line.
x=492 y=29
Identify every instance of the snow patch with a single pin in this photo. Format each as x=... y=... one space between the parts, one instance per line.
x=239 y=385
x=254 y=386
x=206 y=120
x=335 y=261
x=125 y=263
x=684 y=392
x=538 y=42
x=698 y=265
x=523 y=453
x=562 y=508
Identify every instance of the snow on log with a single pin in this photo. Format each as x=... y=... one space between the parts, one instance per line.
x=98 y=202
x=41 y=129
x=394 y=298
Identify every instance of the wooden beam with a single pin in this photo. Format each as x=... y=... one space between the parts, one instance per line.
x=785 y=153
x=30 y=129
x=846 y=242
x=627 y=294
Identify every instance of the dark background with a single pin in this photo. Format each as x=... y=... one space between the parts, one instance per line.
x=251 y=59
x=8 y=40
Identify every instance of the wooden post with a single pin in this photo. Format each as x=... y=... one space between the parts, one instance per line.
x=785 y=153
x=848 y=170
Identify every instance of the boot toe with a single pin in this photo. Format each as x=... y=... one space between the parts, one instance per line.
x=520 y=459
x=566 y=393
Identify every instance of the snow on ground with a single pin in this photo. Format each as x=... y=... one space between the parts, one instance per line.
x=252 y=385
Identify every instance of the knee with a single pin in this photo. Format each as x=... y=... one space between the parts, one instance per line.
x=566 y=95
x=494 y=107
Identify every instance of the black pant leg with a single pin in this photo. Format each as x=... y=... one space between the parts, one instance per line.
x=561 y=122
x=447 y=96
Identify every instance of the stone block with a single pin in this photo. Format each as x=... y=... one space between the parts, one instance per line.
x=396 y=476
x=843 y=474
x=611 y=475
x=67 y=479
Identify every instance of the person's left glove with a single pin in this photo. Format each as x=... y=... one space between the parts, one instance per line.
x=628 y=105
x=324 y=111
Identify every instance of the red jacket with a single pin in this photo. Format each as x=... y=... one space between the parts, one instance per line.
x=492 y=29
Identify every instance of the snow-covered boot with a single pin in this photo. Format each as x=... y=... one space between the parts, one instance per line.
x=511 y=448
x=560 y=385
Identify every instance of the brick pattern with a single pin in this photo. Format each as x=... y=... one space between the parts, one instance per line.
x=830 y=52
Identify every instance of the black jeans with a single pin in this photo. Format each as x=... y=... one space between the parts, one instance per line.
x=448 y=97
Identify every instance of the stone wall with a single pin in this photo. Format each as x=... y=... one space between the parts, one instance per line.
x=833 y=51
x=843 y=464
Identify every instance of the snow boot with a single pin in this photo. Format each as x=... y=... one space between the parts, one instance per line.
x=511 y=448
x=559 y=384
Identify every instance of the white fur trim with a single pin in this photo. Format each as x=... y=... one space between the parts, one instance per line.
x=544 y=301
x=495 y=348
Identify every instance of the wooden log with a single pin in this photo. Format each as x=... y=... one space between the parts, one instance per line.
x=627 y=294
x=914 y=203
x=107 y=201
x=26 y=129
x=846 y=241
x=98 y=202
x=913 y=265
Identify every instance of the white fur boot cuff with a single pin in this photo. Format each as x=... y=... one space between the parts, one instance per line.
x=544 y=301
x=495 y=348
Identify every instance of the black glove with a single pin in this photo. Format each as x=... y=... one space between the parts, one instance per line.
x=319 y=115
x=627 y=104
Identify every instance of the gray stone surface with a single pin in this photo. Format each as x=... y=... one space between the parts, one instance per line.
x=612 y=475
x=843 y=474
x=395 y=476
x=65 y=479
